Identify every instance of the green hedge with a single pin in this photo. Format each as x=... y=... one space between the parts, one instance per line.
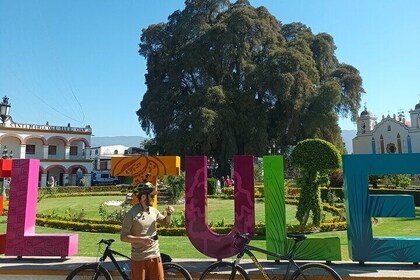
x=61 y=218
x=415 y=193
x=114 y=228
x=111 y=193
x=83 y=189
x=78 y=226
x=294 y=192
x=339 y=192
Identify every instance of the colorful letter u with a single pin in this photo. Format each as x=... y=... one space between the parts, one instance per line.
x=200 y=234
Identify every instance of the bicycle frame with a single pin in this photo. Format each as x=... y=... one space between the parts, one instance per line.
x=248 y=251
x=108 y=253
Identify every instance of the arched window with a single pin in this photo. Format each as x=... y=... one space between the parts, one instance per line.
x=373 y=146
x=409 y=144
x=389 y=128
x=115 y=152
x=399 y=148
x=382 y=144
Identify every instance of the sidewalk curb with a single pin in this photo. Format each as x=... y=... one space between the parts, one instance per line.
x=12 y=268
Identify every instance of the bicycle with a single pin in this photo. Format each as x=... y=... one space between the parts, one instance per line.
x=98 y=271
x=235 y=271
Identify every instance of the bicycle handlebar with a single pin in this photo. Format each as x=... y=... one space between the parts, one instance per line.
x=245 y=236
x=106 y=241
x=241 y=240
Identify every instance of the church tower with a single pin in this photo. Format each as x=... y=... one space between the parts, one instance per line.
x=366 y=122
x=415 y=116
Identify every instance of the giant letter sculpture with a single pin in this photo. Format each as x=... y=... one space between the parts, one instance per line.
x=327 y=248
x=5 y=171
x=201 y=236
x=140 y=166
x=21 y=239
x=361 y=207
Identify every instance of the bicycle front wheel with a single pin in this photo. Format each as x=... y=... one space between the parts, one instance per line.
x=223 y=270
x=315 y=271
x=174 y=271
x=89 y=271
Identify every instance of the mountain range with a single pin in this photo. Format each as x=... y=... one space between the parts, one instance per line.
x=128 y=141
x=134 y=141
x=348 y=136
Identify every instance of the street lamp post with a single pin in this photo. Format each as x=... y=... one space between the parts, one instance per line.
x=212 y=165
x=274 y=149
x=5 y=109
x=5 y=155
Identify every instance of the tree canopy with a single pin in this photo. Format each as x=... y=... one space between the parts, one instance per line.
x=228 y=78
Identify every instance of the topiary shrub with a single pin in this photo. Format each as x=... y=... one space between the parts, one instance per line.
x=313 y=159
x=211 y=186
x=336 y=179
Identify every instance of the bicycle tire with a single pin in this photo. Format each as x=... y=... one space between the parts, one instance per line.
x=87 y=271
x=224 y=268
x=318 y=271
x=174 y=271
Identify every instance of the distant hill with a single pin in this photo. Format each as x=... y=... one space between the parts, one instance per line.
x=348 y=136
x=134 y=141
x=129 y=141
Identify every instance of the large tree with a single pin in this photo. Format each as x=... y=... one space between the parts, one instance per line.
x=227 y=78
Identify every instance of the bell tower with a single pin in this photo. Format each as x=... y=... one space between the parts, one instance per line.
x=415 y=116
x=366 y=122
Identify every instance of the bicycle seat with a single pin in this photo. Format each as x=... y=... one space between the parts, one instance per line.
x=297 y=237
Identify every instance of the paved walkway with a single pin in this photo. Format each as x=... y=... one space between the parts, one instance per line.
x=54 y=268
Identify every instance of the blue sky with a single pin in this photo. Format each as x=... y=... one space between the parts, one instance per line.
x=77 y=62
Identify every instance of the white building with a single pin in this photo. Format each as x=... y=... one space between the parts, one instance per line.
x=102 y=155
x=391 y=135
x=63 y=151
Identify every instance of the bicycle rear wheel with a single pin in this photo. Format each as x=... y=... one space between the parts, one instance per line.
x=174 y=271
x=315 y=271
x=223 y=270
x=88 y=271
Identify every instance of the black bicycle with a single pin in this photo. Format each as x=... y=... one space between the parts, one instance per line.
x=294 y=271
x=97 y=270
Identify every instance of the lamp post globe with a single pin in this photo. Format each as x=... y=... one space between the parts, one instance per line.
x=4 y=109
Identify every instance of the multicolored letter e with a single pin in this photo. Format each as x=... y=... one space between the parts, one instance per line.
x=21 y=239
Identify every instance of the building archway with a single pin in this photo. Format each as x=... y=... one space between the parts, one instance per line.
x=58 y=172
x=13 y=143
x=86 y=142
x=76 y=173
x=43 y=140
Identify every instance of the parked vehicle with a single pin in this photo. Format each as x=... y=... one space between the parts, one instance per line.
x=103 y=177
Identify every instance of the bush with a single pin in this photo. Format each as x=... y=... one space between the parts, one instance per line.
x=115 y=216
x=338 y=193
x=336 y=179
x=258 y=173
x=374 y=180
x=400 y=180
x=56 y=190
x=227 y=191
x=176 y=186
x=259 y=190
x=211 y=186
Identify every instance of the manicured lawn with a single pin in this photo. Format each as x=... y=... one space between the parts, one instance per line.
x=175 y=246
x=180 y=246
x=218 y=209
